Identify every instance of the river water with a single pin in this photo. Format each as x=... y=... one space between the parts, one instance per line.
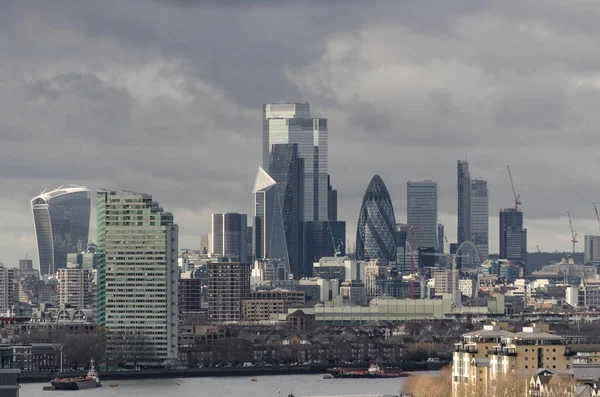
x=265 y=386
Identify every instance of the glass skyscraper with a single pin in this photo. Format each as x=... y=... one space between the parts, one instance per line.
x=479 y=217
x=285 y=123
x=62 y=220
x=513 y=237
x=375 y=232
x=287 y=169
x=229 y=233
x=422 y=214
x=137 y=277
x=269 y=231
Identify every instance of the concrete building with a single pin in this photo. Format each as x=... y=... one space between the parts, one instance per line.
x=443 y=281
x=229 y=231
x=290 y=299
x=7 y=288
x=286 y=123
x=422 y=214
x=354 y=293
x=325 y=290
x=75 y=287
x=586 y=295
x=261 y=310
x=137 y=276
x=62 y=220
x=468 y=287
x=591 y=249
x=228 y=286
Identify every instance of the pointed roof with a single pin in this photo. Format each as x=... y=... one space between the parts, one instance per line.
x=263 y=181
x=376 y=189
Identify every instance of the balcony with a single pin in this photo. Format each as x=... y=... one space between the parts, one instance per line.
x=462 y=348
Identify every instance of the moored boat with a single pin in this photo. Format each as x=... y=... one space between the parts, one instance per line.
x=374 y=372
x=90 y=381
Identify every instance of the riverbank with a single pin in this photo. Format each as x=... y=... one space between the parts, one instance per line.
x=223 y=372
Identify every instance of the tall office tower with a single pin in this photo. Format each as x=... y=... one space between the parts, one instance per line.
x=62 y=221
x=204 y=247
x=376 y=228
x=479 y=217
x=441 y=237
x=332 y=200
x=322 y=239
x=403 y=253
x=25 y=265
x=287 y=170
x=463 y=232
x=229 y=233
x=422 y=214
x=228 y=285
x=137 y=276
x=7 y=288
x=75 y=287
x=591 y=249
x=291 y=123
x=269 y=232
x=513 y=237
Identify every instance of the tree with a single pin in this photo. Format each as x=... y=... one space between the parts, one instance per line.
x=129 y=347
x=80 y=349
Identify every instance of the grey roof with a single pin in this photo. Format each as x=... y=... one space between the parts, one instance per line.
x=485 y=333
x=536 y=336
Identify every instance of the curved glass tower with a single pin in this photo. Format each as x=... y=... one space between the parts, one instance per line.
x=62 y=220
x=375 y=233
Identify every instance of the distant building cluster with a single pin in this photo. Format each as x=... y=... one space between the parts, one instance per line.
x=287 y=263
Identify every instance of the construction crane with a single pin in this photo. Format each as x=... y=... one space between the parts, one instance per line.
x=512 y=185
x=336 y=247
x=597 y=215
x=573 y=234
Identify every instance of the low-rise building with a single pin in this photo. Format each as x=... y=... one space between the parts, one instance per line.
x=291 y=299
x=261 y=310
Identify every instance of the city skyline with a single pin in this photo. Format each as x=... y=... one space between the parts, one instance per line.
x=85 y=115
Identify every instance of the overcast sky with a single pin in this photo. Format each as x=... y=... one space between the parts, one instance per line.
x=165 y=97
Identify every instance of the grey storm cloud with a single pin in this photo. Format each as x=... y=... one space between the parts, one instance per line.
x=165 y=97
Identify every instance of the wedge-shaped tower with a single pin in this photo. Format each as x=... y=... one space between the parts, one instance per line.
x=375 y=234
x=269 y=232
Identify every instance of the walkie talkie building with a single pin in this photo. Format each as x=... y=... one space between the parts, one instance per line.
x=62 y=220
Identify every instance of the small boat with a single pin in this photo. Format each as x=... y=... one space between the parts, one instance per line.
x=113 y=385
x=90 y=381
x=328 y=376
x=253 y=380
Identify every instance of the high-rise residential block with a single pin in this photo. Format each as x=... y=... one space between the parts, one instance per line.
x=287 y=169
x=62 y=219
x=463 y=232
x=513 y=237
x=422 y=214
x=228 y=286
x=269 y=240
x=229 y=233
x=479 y=217
x=137 y=277
x=287 y=123
x=7 y=288
x=190 y=295
x=591 y=249
x=75 y=287
x=376 y=227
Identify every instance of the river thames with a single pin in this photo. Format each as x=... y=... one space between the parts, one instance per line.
x=265 y=386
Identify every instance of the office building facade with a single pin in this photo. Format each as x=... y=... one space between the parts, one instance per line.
x=228 y=286
x=229 y=233
x=376 y=227
x=463 y=232
x=269 y=240
x=422 y=214
x=479 y=217
x=322 y=239
x=62 y=220
x=287 y=123
x=513 y=237
x=287 y=169
x=591 y=249
x=137 y=276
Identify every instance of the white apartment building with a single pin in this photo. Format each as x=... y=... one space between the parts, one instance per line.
x=75 y=287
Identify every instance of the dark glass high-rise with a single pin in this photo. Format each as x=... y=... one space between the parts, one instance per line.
x=375 y=232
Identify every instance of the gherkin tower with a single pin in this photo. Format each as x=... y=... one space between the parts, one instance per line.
x=375 y=233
